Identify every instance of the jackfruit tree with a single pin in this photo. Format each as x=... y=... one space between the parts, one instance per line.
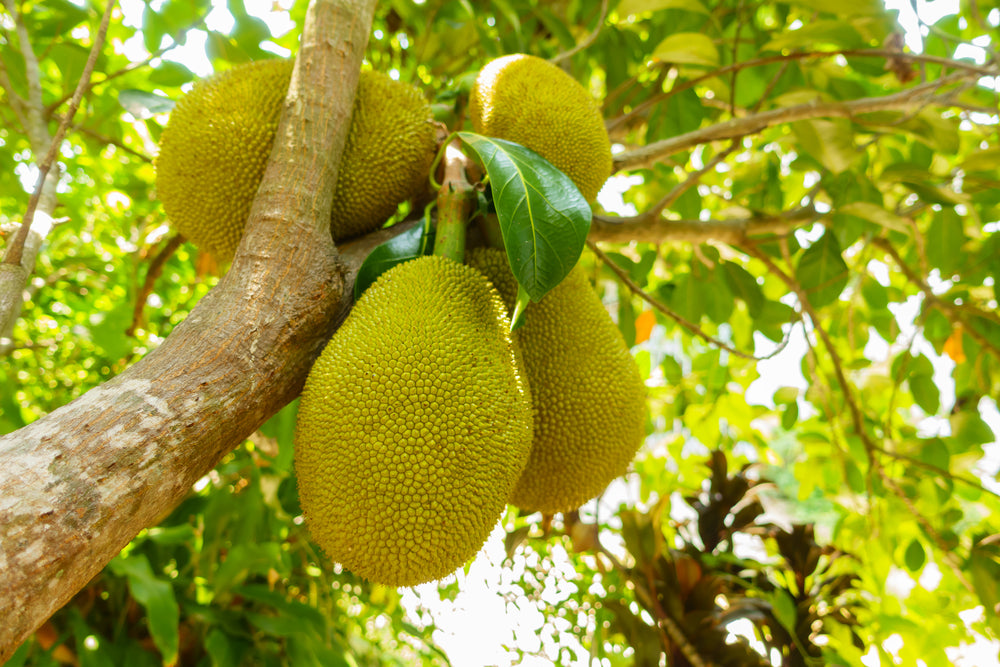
x=703 y=369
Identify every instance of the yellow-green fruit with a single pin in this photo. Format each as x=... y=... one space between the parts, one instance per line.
x=588 y=395
x=532 y=102
x=214 y=149
x=219 y=137
x=414 y=425
x=388 y=155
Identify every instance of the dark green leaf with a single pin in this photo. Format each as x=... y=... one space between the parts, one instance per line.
x=914 y=558
x=157 y=596
x=945 y=239
x=543 y=217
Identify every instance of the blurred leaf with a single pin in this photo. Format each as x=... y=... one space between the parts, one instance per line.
x=822 y=271
x=687 y=48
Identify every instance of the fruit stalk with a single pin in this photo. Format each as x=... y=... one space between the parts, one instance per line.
x=456 y=201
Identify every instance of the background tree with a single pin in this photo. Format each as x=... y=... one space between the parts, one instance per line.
x=802 y=189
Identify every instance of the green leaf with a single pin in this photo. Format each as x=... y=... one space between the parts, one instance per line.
x=822 y=271
x=878 y=215
x=169 y=73
x=945 y=239
x=687 y=48
x=543 y=217
x=829 y=142
x=157 y=596
x=914 y=558
x=744 y=286
x=141 y=104
x=968 y=429
x=925 y=393
x=411 y=244
x=633 y=7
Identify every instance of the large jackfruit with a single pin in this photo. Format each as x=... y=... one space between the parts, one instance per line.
x=219 y=137
x=414 y=425
x=532 y=102
x=588 y=394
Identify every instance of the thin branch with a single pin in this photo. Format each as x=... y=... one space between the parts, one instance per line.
x=887 y=54
x=131 y=67
x=684 y=323
x=953 y=309
x=732 y=231
x=111 y=142
x=16 y=246
x=586 y=41
x=857 y=418
x=155 y=269
x=936 y=470
x=676 y=192
x=740 y=127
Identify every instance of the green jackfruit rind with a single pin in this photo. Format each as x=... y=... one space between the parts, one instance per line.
x=532 y=102
x=414 y=425
x=216 y=144
x=388 y=155
x=214 y=149
x=588 y=395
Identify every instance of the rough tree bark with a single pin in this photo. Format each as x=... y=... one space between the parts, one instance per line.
x=78 y=484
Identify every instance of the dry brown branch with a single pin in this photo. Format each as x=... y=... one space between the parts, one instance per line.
x=646 y=156
x=81 y=482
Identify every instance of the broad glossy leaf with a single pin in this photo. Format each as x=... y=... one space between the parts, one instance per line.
x=543 y=217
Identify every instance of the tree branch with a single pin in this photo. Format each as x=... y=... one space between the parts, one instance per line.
x=644 y=157
x=79 y=483
x=732 y=231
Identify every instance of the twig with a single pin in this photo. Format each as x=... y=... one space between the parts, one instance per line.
x=155 y=269
x=692 y=328
x=676 y=192
x=871 y=448
x=741 y=127
x=949 y=307
x=586 y=41
x=16 y=246
x=614 y=123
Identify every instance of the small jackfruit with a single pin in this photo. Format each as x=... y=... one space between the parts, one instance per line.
x=530 y=101
x=588 y=395
x=215 y=147
x=414 y=425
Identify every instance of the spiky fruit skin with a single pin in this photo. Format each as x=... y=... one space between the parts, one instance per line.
x=532 y=102
x=588 y=395
x=414 y=425
x=214 y=149
x=388 y=155
x=219 y=137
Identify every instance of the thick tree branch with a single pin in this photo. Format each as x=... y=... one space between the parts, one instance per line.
x=912 y=98
x=79 y=483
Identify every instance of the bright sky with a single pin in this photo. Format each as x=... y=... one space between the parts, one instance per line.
x=479 y=625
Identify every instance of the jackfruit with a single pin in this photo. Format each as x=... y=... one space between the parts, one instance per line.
x=588 y=395
x=219 y=137
x=414 y=425
x=532 y=102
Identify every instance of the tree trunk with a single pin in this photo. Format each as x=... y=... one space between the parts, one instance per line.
x=79 y=483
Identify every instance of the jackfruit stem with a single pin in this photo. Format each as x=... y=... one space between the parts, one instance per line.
x=456 y=202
